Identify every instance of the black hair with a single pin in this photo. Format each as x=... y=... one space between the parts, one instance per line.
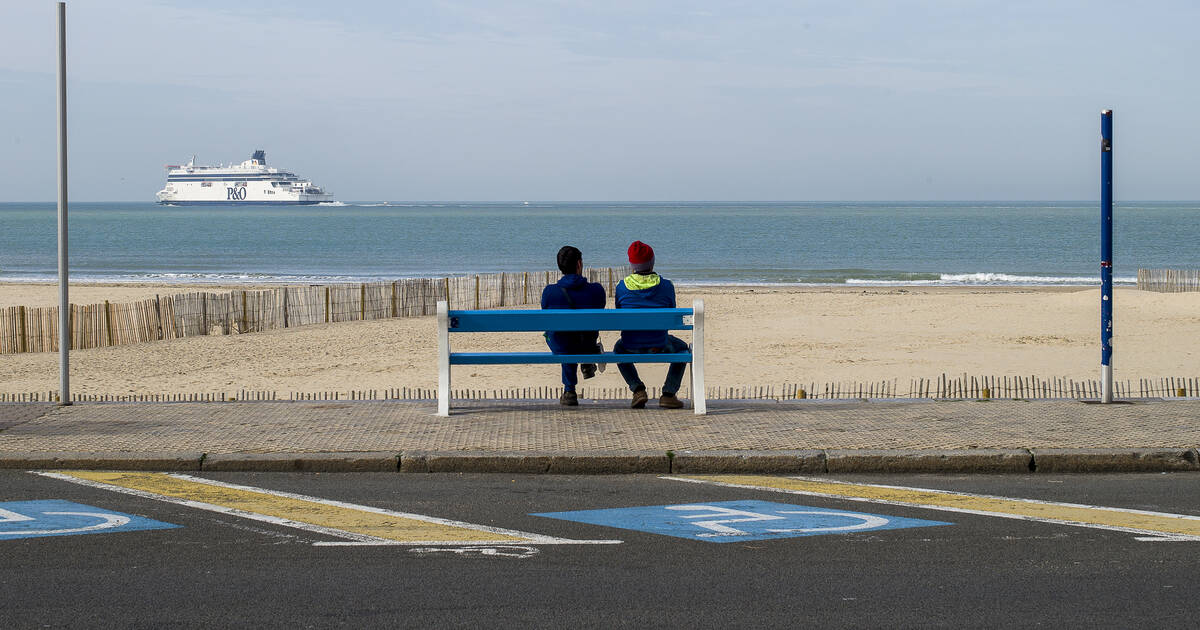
x=568 y=259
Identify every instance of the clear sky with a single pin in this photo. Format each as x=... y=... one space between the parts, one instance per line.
x=612 y=99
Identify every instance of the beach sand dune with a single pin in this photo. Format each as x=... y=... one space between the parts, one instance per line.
x=756 y=336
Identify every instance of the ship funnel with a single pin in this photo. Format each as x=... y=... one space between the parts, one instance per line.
x=261 y=156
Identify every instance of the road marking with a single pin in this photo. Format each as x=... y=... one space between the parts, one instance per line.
x=1156 y=526
x=8 y=516
x=55 y=517
x=354 y=524
x=506 y=551
x=108 y=521
x=738 y=521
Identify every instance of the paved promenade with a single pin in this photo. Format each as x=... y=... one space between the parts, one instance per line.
x=607 y=437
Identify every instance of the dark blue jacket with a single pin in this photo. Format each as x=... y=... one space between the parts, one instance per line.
x=583 y=294
x=642 y=291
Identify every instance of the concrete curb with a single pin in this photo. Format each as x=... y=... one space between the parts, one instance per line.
x=632 y=462
x=573 y=463
x=929 y=461
x=743 y=462
x=1115 y=460
x=657 y=463
x=103 y=461
x=301 y=462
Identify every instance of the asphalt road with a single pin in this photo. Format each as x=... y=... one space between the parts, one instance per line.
x=219 y=569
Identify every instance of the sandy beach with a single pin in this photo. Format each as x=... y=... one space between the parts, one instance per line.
x=756 y=336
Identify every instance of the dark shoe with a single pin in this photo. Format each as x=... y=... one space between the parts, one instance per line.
x=639 y=399
x=588 y=369
x=669 y=401
x=568 y=399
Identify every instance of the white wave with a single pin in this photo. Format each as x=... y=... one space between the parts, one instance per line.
x=987 y=278
x=336 y=204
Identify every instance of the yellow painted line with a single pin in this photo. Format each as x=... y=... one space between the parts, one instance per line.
x=1161 y=524
x=358 y=523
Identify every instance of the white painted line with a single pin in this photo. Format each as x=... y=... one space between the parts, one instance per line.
x=533 y=538
x=992 y=496
x=508 y=551
x=316 y=529
x=1145 y=534
x=355 y=539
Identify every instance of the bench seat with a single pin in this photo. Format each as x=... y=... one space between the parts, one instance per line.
x=527 y=321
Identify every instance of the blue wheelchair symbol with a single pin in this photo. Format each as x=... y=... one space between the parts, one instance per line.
x=33 y=519
x=734 y=521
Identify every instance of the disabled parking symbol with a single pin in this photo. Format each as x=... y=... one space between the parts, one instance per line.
x=33 y=519
x=734 y=521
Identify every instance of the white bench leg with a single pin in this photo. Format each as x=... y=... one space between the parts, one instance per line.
x=698 y=395
x=443 y=323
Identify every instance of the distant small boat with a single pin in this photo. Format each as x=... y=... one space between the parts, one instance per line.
x=251 y=182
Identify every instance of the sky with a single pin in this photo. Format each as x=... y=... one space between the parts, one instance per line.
x=610 y=100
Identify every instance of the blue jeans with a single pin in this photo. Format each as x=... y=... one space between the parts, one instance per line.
x=674 y=373
x=570 y=374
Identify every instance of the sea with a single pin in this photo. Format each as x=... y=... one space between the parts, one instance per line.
x=742 y=243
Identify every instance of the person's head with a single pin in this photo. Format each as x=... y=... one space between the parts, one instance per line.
x=641 y=257
x=570 y=259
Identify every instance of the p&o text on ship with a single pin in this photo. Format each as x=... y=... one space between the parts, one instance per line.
x=251 y=182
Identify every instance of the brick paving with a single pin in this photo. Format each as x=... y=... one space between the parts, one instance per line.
x=533 y=427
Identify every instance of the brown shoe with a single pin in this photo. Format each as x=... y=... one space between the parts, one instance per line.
x=568 y=399
x=639 y=399
x=669 y=401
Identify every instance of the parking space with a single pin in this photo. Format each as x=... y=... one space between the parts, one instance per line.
x=473 y=510
x=372 y=545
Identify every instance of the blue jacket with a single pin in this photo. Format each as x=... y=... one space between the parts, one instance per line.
x=644 y=291
x=583 y=294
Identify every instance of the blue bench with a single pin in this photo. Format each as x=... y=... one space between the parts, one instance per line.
x=552 y=320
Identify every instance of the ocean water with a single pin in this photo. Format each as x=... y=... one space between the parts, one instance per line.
x=808 y=243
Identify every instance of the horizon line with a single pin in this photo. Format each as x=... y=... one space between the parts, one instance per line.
x=645 y=201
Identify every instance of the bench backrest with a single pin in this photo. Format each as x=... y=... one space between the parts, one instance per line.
x=551 y=320
x=566 y=320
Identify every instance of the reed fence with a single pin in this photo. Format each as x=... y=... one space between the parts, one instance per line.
x=1168 y=280
x=35 y=329
x=944 y=387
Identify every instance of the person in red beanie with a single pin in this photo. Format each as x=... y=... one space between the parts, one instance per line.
x=646 y=289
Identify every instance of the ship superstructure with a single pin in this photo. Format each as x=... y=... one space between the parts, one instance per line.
x=251 y=182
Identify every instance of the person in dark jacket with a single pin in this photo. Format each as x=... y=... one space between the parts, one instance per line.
x=646 y=289
x=573 y=291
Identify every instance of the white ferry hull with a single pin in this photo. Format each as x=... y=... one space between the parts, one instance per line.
x=243 y=203
x=250 y=183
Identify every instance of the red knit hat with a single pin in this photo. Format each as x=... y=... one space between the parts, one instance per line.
x=641 y=257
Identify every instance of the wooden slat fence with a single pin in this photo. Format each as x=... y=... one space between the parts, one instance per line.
x=24 y=329
x=1168 y=280
x=941 y=388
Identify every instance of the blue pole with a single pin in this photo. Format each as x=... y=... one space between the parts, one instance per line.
x=1106 y=241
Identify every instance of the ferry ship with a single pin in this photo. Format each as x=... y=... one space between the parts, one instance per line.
x=251 y=182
